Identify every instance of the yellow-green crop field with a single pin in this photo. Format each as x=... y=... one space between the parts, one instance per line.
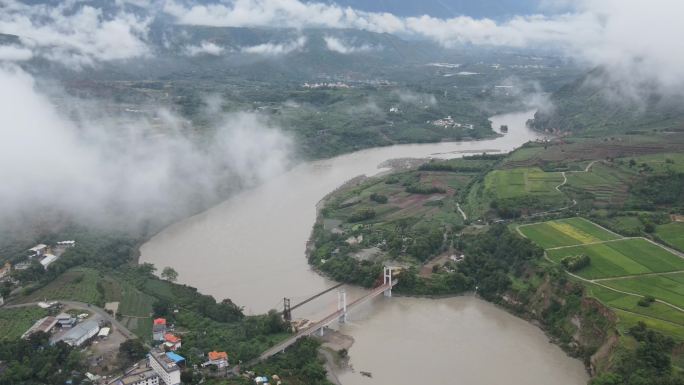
x=622 y=271
x=566 y=232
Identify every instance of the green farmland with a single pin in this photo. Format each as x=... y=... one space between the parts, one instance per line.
x=668 y=288
x=625 y=257
x=625 y=270
x=565 y=232
x=672 y=234
x=658 y=315
x=520 y=182
x=79 y=284
x=14 y=322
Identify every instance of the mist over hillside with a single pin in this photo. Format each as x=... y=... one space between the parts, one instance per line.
x=600 y=105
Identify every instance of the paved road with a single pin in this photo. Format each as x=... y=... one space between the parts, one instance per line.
x=84 y=306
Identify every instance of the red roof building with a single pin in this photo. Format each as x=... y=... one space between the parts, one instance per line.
x=173 y=342
x=219 y=359
x=159 y=329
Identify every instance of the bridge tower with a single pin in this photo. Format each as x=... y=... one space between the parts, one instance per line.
x=287 y=310
x=342 y=305
x=387 y=280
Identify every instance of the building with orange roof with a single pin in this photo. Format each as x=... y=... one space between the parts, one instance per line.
x=158 y=329
x=220 y=359
x=172 y=342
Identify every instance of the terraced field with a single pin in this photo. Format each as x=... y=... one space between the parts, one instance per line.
x=566 y=232
x=607 y=184
x=633 y=256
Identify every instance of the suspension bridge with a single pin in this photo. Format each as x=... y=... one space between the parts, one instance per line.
x=343 y=308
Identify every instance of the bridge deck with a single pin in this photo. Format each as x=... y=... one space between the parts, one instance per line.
x=320 y=324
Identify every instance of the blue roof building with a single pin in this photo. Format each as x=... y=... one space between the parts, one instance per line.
x=175 y=357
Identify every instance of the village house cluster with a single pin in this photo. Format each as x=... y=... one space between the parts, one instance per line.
x=163 y=366
x=449 y=122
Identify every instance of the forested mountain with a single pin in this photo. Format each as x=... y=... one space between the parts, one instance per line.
x=600 y=104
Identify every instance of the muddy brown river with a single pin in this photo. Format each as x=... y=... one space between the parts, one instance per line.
x=251 y=249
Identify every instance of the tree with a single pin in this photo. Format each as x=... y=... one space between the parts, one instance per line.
x=161 y=307
x=147 y=268
x=131 y=351
x=169 y=274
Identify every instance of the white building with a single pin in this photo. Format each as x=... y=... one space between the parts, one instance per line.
x=47 y=260
x=104 y=332
x=37 y=250
x=166 y=368
x=81 y=333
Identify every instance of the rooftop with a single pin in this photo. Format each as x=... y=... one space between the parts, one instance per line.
x=80 y=330
x=137 y=374
x=42 y=325
x=49 y=258
x=175 y=357
x=214 y=356
x=160 y=321
x=165 y=361
x=171 y=338
x=38 y=247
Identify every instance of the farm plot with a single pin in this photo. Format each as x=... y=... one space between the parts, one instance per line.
x=668 y=288
x=607 y=184
x=627 y=320
x=78 y=284
x=518 y=182
x=134 y=303
x=624 y=257
x=672 y=234
x=14 y=322
x=629 y=303
x=566 y=232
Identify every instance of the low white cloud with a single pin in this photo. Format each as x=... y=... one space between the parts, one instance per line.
x=636 y=41
x=102 y=167
x=74 y=34
x=415 y=98
x=274 y=49
x=14 y=53
x=337 y=45
x=205 y=48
